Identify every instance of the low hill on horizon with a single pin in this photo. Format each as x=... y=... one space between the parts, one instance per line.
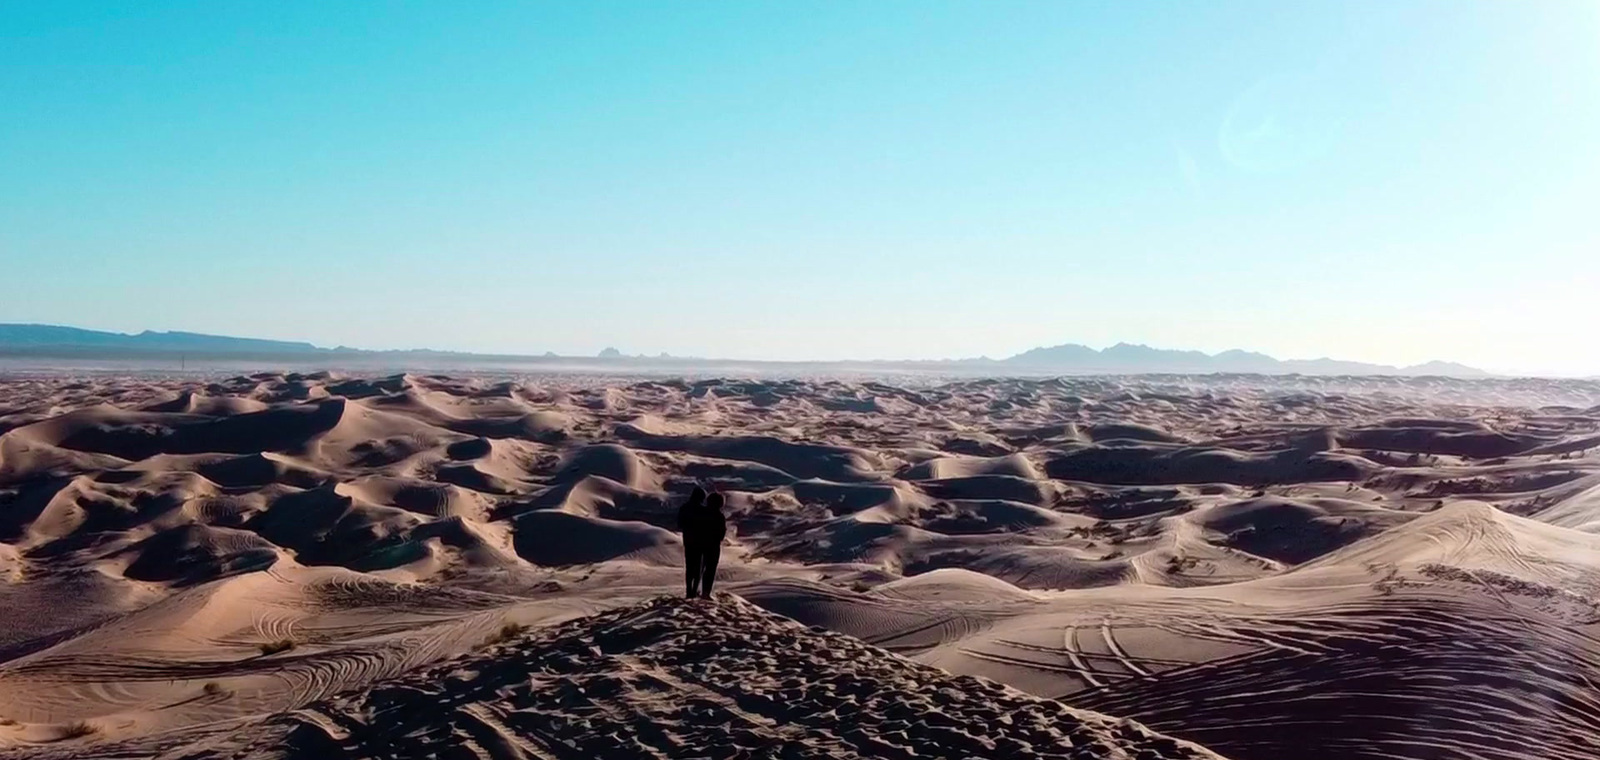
x=29 y=335
x=56 y=341
x=1128 y=358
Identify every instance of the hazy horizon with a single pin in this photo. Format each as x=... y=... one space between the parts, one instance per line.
x=647 y=354
x=1391 y=183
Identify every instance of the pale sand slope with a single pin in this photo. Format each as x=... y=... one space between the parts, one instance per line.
x=1468 y=633
x=672 y=679
x=1312 y=568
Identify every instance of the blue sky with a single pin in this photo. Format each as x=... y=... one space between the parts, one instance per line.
x=1386 y=181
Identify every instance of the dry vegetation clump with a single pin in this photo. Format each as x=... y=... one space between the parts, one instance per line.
x=506 y=633
x=76 y=729
x=274 y=647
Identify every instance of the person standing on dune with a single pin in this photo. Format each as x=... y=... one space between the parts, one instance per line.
x=689 y=520
x=703 y=526
x=713 y=531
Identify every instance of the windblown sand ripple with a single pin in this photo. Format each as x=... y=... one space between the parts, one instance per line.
x=673 y=678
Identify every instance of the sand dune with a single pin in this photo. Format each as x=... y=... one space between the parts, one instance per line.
x=1467 y=632
x=300 y=565
x=675 y=679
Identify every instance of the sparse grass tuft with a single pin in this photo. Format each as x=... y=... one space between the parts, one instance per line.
x=76 y=729
x=214 y=689
x=506 y=633
x=274 y=647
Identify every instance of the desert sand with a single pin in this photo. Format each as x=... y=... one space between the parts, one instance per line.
x=320 y=565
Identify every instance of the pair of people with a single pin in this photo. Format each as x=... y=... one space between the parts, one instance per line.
x=703 y=527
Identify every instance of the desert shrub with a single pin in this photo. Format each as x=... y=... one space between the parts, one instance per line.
x=274 y=647
x=76 y=729
x=506 y=633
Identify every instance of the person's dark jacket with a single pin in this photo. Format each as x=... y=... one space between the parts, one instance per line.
x=701 y=520
x=714 y=527
x=688 y=514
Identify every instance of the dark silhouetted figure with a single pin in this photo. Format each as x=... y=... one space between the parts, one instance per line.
x=715 y=528
x=688 y=524
x=703 y=527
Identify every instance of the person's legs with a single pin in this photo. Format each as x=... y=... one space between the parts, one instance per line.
x=691 y=569
x=708 y=572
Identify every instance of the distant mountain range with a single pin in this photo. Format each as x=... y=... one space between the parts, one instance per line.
x=34 y=336
x=1126 y=358
x=54 y=341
